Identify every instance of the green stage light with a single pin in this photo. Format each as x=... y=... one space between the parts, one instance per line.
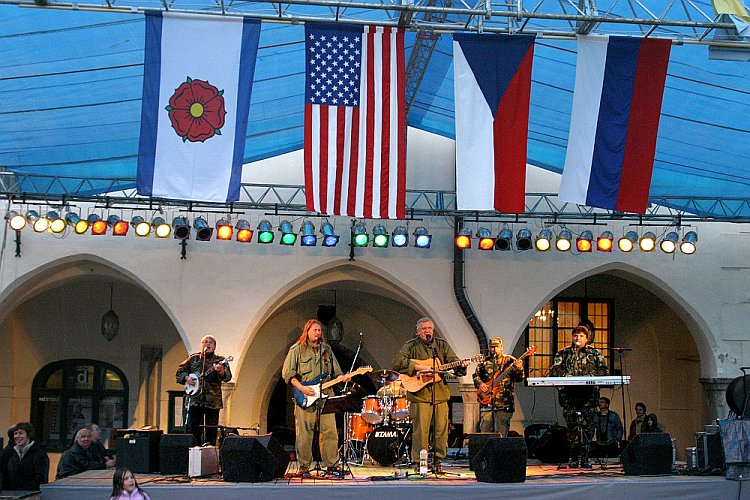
x=288 y=236
x=265 y=232
x=360 y=237
x=380 y=236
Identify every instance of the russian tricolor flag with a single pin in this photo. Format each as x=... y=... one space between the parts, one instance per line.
x=614 y=123
x=492 y=79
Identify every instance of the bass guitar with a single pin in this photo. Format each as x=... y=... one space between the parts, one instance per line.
x=421 y=380
x=192 y=390
x=304 y=401
x=485 y=397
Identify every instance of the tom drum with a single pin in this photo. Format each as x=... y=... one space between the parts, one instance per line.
x=372 y=411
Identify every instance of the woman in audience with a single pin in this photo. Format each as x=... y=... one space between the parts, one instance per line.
x=28 y=464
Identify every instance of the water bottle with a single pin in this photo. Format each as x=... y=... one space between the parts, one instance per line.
x=423 y=462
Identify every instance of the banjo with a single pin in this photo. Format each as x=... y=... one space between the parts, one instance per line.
x=192 y=390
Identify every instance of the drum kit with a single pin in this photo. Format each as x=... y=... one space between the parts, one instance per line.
x=382 y=429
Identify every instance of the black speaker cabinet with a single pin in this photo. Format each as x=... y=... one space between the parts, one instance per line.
x=551 y=445
x=501 y=460
x=477 y=440
x=174 y=453
x=648 y=454
x=138 y=450
x=252 y=459
x=709 y=450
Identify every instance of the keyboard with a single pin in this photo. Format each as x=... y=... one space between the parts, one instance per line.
x=562 y=381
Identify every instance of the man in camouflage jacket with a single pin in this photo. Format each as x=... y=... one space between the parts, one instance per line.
x=502 y=402
x=208 y=370
x=579 y=403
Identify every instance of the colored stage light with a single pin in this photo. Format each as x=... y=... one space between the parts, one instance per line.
x=140 y=226
x=119 y=226
x=180 y=228
x=15 y=220
x=224 y=229
x=73 y=219
x=400 y=237
x=523 y=239
x=56 y=223
x=583 y=242
x=605 y=241
x=544 y=240
x=202 y=230
x=669 y=243
x=39 y=224
x=360 y=238
x=503 y=241
x=463 y=238
x=422 y=239
x=98 y=226
x=380 y=236
x=244 y=233
x=309 y=238
x=265 y=232
x=288 y=236
x=486 y=241
x=330 y=238
x=161 y=228
x=647 y=242
x=689 y=243
x=628 y=242
x=564 y=239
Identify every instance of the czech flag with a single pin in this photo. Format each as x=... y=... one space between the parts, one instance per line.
x=614 y=123
x=492 y=79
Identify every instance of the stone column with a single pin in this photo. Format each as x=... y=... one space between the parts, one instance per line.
x=471 y=407
x=715 y=390
x=227 y=389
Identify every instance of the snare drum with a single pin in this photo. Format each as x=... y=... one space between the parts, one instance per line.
x=399 y=408
x=358 y=428
x=372 y=411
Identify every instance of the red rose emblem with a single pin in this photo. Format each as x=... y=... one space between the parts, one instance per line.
x=196 y=110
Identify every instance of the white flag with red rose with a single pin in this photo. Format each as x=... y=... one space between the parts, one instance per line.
x=197 y=79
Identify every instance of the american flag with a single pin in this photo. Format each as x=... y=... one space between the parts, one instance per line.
x=355 y=120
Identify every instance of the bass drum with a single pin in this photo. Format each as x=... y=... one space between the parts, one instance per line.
x=385 y=444
x=738 y=396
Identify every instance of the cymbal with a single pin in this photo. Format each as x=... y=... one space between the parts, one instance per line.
x=388 y=375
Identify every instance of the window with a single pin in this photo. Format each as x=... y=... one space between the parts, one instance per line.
x=68 y=394
x=550 y=329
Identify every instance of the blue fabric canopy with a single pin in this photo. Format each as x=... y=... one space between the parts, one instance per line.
x=71 y=84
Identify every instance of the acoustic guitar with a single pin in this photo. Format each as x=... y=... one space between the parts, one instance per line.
x=422 y=380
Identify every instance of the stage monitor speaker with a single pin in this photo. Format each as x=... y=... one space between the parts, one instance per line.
x=709 y=451
x=648 y=454
x=501 y=460
x=477 y=440
x=174 y=453
x=252 y=459
x=551 y=446
x=138 y=450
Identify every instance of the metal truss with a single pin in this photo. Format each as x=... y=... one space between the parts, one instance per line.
x=290 y=199
x=685 y=21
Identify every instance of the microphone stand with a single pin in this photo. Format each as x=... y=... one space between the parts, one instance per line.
x=431 y=446
x=619 y=351
x=201 y=388
x=319 y=407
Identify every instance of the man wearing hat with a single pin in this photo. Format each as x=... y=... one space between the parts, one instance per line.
x=496 y=395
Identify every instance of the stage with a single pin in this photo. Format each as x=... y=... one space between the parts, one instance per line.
x=377 y=482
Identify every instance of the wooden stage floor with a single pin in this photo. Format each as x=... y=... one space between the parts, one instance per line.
x=377 y=482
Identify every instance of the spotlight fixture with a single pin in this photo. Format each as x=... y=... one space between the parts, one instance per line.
x=564 y=240
x=523 y=239
x=689 y=241
x=224 y=229
x=628 y=242
x=202 y=230
x=400 y=237
x=380 y=236
x=486 y=241
x=309 y=238
x=56 y=223
x=583 y=242
x=647 y=242
x=180 y=228
x=161 y=228
x=288 y=236
x=39 y=224
x=503 y=240
x=422 y=239
x=98 y=226
x=265 y=232
x=244 y=233
x=544 y=240
x=140 y=226
x=605 y=241
x=360 y=237
x=330 y=238
x=669 y=243
x=119 y=226
x=15 y=220
x=463 y=238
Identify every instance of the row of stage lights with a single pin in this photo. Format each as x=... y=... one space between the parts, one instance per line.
x=241 y=231
x=584 y=242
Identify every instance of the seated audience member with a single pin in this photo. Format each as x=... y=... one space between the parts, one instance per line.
x=96 y=441
x=637 y=423
x=28 y=464
x=82 y=456
x=650 y=424
x=125 y=487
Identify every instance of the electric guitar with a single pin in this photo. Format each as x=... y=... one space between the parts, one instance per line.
x=192 y=390
x=304 y=401
x=421 y=380
x=485 y=397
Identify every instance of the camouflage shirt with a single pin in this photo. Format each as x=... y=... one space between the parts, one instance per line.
x=505 y=396
x=571 y=362
x=209 y=395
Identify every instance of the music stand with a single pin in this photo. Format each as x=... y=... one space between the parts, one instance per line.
x=350 y=402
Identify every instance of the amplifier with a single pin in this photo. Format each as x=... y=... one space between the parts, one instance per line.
x=138 y=449
x=709 y=451
x=203 y=461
